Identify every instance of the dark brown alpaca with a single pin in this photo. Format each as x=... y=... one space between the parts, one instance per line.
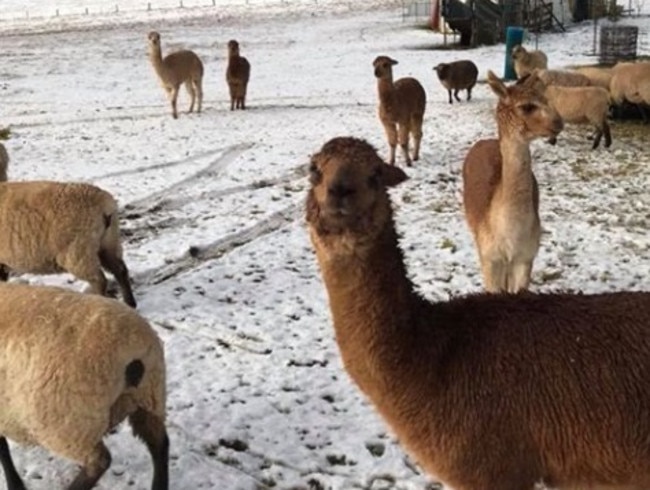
x=238 y=73
x=490 y=391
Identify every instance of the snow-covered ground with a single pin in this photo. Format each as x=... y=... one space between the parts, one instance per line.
x=257 y=394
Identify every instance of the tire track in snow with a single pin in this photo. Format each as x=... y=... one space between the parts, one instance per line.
x=197 y=255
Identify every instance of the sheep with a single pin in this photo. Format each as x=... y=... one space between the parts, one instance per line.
x=599 y=76
x=4 y=163
x=500 y=192
x=631 y=83
x=526 y=61
x=52 y=227
x=238 y=73
x=582 y=105
x=180 y=67
x=456 y=76
x=401 y=108
x=563 y=78
x=72 y=367
x=485 y=391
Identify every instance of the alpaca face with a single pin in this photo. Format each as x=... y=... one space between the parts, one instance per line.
x=233 y=48
x=349 y=182
x=523 y=109
x=154 y=39
x=384 y=66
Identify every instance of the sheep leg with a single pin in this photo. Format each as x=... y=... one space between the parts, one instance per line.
x=519 y=276
x=456 y=95
x=450 y=99
x=173 y=97
x=117 y=267
x=391 y=135
x=608 y=134
x=190 y=90
x=552 y=140
x=4 y=273
x=404 y=130
x=14 y=482
x=151 y=430
x=95 y=466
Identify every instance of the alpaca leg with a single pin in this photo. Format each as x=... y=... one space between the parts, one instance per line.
x=391 y=136
x=151 y=430
x=243 y=99
x=519 y=276
x=198 y=89
x=4 y=273
x=94 y=467
x=117 y=267
x=192 y=93
x=14 y=482
x=404 y=131
x=173 y=96
x=494 y=275
x=416 y=124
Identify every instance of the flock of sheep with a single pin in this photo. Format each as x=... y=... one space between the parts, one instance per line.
x=487 y=391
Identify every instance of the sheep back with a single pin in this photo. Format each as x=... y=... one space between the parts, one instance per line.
x=631 y=82
x=564 y=78
x=599 y=76
x=41 y=219
x=457 y=75
x=72 y=351
x=579 y=104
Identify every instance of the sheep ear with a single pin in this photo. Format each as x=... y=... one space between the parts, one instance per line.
x=392 y=175
x=497 y=85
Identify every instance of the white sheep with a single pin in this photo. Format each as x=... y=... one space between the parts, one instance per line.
x=72 y=367
x=582 y=105
x=563 y=78
x=52 y=227
x=526 y=61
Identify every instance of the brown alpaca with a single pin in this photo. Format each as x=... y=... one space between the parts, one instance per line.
x=238 y=73
x=485 y=391
x=500 y=194
x=401 y=108
x=175 y=69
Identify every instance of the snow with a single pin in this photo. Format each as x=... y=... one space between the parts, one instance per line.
x=257 y=396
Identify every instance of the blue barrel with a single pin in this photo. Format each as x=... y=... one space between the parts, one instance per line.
x=514 y=36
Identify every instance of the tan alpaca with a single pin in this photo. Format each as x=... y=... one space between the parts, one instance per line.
x=238 y=73
x=401 y=108
x=180 y=67
x=500 y=193
x=487 y=391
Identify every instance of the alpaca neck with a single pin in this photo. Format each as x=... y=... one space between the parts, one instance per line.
x=373 y=306
x=516 y=170
x=386 y=91
x=155 y=55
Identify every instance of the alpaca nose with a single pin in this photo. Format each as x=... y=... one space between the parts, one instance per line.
x=377 y=72
x=340 y=190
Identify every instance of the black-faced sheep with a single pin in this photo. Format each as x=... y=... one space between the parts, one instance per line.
x=525 y=62
x=401 y=108
x=456 y=76
x=175 y=69
x=53 y=227
x=487 y=391
x=238 y=73
x=72 y=367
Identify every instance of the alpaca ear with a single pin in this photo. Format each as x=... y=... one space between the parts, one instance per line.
x=392 y=175
x=393 y=62
x=497 y=85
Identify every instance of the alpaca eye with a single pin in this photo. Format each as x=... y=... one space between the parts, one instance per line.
x=315 y=174
x=528 y=108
